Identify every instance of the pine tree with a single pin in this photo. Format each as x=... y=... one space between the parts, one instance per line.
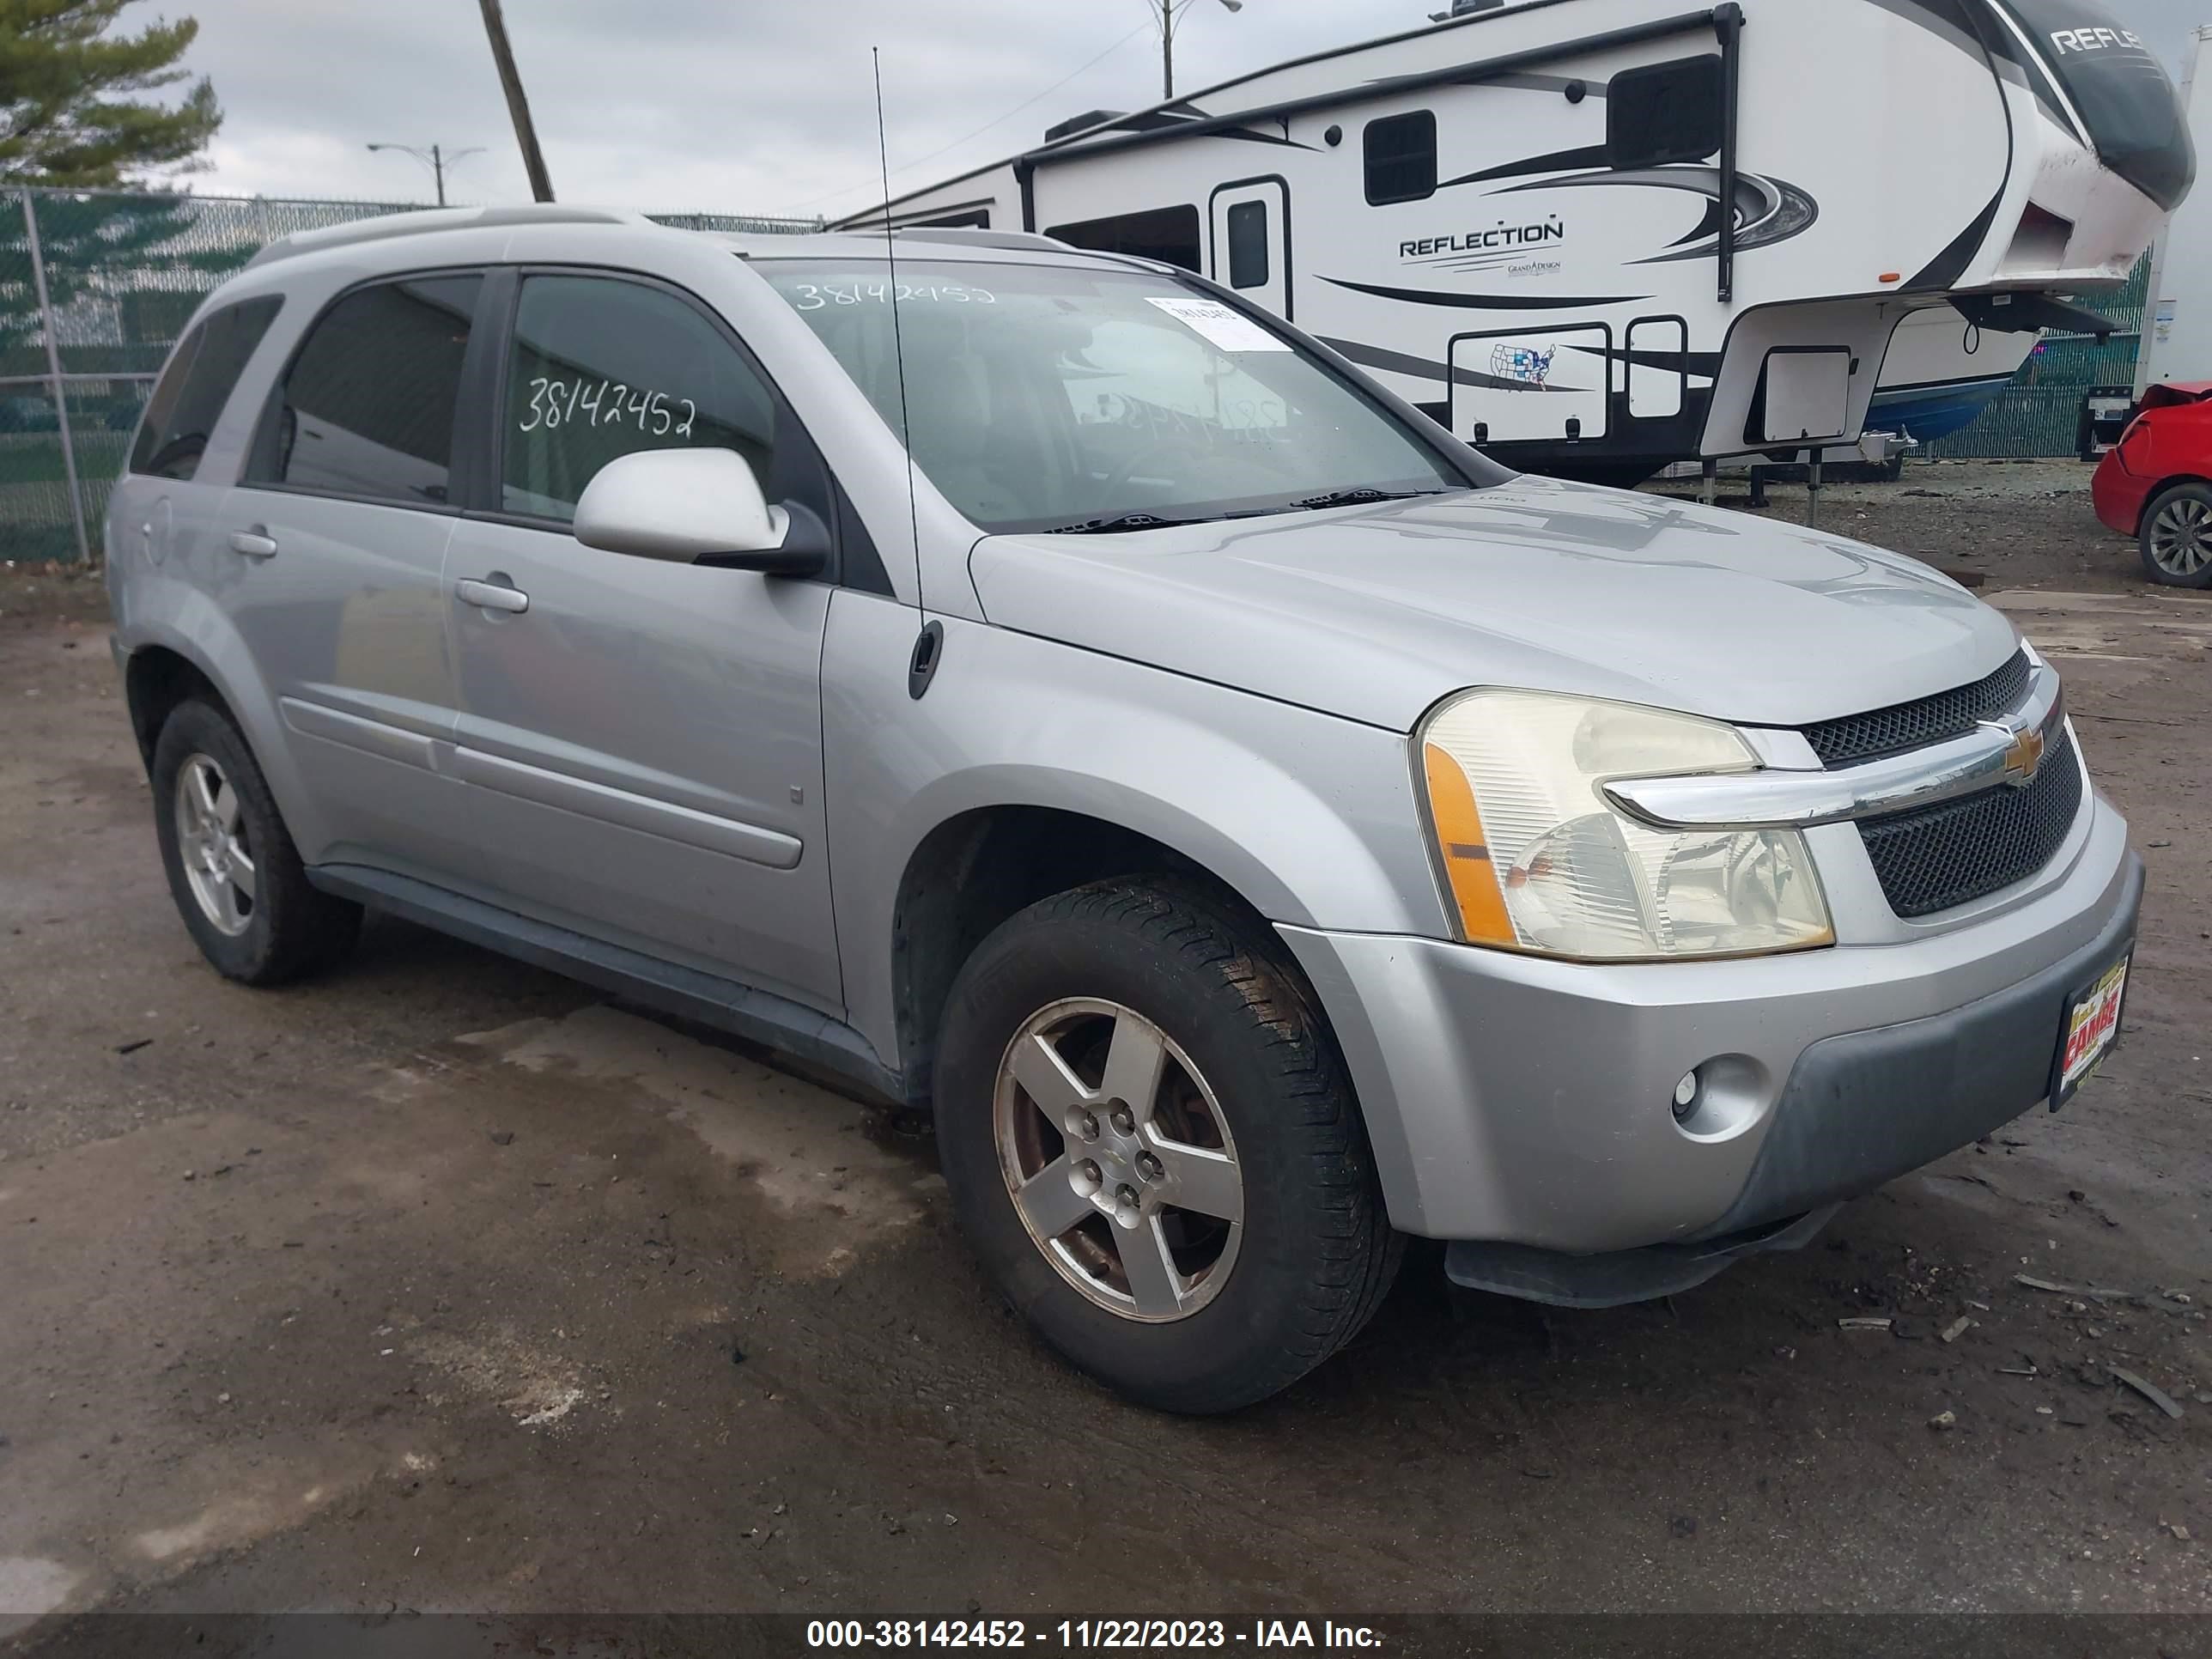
x=73 y=104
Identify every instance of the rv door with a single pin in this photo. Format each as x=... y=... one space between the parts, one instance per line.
x=1251 y=242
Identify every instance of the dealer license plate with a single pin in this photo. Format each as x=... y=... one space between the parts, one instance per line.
x=2090 y=1030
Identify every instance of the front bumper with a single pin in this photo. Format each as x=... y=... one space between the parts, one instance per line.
x=1528 y=1101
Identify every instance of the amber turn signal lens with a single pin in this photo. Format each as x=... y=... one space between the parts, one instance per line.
x=1466 y=853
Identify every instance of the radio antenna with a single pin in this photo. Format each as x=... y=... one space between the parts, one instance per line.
x=898 y=351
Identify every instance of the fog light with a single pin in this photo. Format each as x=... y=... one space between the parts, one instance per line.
x=1686 y=1096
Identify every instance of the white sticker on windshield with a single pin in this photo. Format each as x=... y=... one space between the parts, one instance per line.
x=1219 y=326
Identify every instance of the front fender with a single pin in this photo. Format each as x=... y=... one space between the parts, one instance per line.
x=1305 y=815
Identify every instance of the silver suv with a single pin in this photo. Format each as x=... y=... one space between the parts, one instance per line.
x=1037 y=685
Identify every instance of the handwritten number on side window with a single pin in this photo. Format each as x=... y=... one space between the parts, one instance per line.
x=605 y=402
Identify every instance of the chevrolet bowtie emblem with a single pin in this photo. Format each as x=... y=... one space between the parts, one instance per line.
x=2024 y=758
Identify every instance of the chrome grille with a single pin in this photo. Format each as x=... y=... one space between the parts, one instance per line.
x=1905 y=725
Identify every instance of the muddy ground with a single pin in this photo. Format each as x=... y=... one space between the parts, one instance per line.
x=441 y=1283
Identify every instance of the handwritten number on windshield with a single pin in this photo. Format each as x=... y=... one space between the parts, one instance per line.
x=817 y=296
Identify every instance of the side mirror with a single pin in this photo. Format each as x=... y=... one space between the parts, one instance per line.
x=697 y=507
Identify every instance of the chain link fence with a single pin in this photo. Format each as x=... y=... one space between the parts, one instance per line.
x=94 y=286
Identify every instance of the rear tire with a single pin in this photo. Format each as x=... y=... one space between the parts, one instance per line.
x=1199 y=1222
x=233 y=870
x=2176 y=539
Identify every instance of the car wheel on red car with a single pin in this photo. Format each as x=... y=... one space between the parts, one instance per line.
x=2176 y=537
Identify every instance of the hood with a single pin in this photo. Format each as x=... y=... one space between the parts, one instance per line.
x=1376 y=613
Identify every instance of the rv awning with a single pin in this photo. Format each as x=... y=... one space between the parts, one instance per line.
x=2025 y=313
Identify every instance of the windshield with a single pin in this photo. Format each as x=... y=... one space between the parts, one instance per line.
x=2121 y=92
x=1053 y=398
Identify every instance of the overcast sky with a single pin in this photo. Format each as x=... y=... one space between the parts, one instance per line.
x=729 y=106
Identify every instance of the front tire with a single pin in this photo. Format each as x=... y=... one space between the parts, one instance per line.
x=233 y=870
x=2176 y=539
x=1153 y=1148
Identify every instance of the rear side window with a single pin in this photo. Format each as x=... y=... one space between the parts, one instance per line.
x=366 y=408
x=1248 y=245
x=1664 y=112
x=189 y=398
x=1169 y=234
x=1400 y=153
x=603 y=367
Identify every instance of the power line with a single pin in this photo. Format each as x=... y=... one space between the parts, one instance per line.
x=920 y=161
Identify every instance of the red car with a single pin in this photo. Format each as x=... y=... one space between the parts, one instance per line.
x=2156 y=484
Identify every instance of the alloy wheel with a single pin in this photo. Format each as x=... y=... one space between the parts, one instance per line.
x=2181 y=536
x=211 y=843
x=1119 y=1160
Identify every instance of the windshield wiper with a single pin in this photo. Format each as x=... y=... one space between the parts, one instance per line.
x=1359 y=495
x=1121 y=521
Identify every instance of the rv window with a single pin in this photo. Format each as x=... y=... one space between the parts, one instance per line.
x=1169 y=234
x=1664 y=112
x=1248 y=245
x=1402 y=158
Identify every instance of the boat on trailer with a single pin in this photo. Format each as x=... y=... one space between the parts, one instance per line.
x=1941 y=372
x=1598 y=236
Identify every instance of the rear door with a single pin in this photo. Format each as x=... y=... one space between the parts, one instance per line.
x=642 y=739
x=1251 y=242
x=162 y=476
x=161 y=486
x=333 y=545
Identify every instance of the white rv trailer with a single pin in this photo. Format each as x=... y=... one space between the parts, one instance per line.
x=2177 y=336
x=1515 y=217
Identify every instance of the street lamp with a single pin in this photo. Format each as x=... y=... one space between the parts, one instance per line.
x=1170 y=14
x=437 y=159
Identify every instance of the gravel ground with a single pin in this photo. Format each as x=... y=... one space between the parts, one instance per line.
x=441 y=1283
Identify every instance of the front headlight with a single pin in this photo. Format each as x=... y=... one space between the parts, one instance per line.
x=1536 y=860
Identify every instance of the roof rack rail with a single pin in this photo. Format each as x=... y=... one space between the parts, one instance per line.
x=427 y=220
x=967 y=236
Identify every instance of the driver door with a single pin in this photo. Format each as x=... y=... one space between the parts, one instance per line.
x=641 y=739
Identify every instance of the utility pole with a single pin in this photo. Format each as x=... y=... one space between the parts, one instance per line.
x=1170 y=12
x=436 y=160
x=518 y=106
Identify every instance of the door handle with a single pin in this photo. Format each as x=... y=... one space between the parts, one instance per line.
x=493 y=596
x=255 y=543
